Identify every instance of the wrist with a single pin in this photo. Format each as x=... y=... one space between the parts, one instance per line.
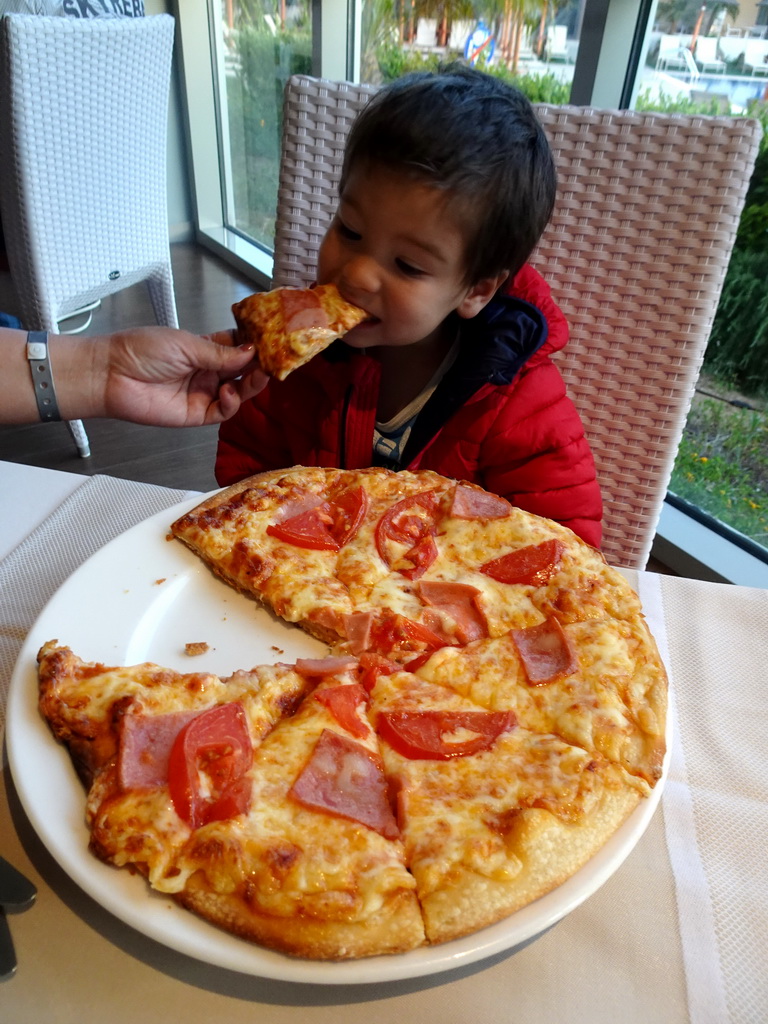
x=79 y=367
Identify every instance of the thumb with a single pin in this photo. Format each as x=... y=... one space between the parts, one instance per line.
x=226 y=359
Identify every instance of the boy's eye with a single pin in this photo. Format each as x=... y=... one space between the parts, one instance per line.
x=347 y=232
x=408 y=268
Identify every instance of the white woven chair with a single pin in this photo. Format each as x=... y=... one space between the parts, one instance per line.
x=83 y=136
x=636 y=252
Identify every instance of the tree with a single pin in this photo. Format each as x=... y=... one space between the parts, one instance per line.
x=682 y=15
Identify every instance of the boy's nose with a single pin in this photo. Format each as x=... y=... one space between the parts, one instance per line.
x=359 y=276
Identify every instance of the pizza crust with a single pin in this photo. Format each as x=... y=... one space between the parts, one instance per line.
x=549 y=851
x=395 y=928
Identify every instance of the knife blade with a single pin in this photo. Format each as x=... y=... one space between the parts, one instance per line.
x=16 y=890
x=7 y=952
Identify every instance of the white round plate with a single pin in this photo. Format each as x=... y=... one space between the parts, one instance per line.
x=142 y=597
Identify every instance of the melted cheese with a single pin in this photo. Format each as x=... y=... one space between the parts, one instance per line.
x=294 y=859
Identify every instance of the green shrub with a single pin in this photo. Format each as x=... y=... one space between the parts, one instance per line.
x=255 y=106
x=547 y=88
x=738 y=345
x=394 y=61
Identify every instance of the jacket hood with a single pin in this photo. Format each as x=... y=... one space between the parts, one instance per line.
x=519 y=326
x=501 y=338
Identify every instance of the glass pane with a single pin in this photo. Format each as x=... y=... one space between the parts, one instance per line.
x=261 y=43
x=714 y=63
x=533 y=44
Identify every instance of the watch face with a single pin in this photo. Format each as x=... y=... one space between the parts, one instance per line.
x=37 y=350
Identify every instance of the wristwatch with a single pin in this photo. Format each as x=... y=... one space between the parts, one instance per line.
x=42 y=376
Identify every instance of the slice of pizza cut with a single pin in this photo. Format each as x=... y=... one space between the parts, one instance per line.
x=276 y=537
x=493 y=816
x=132 y=734
x=318 y=546
x=289 y=326
x=346 y=554
x=258 y=801
x=89 y=706
x=316 y=868
x=598 y=683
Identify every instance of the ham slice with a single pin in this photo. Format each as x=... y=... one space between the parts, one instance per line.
x=325 y=666
x=344 y=778
x=145 y=746
x=469 y=503
x=297 y=506
x=357 y=627
x=460 y=602
x=545 y=651
x=302 y=310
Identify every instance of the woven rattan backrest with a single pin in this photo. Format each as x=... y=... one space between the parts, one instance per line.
x=635 y=254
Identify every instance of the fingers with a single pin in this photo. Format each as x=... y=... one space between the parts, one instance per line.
x=232 y=394
x=228 y=403
x=227 y=362
x=252 y=383
x=227 y=339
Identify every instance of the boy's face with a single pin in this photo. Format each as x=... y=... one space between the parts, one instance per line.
x=396 y=249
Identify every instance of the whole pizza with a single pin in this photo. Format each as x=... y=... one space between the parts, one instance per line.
x=491 y=709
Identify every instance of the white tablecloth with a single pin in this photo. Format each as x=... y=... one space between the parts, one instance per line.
x=678 y=934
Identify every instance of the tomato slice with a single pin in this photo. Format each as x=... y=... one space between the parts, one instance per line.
x=425 y=735
x=372 y=666
x=391 y=632
x=533 y=565
x=410 y=524
x=213 y=751
x=348 y=511
x=343 y=702
x=417 y=662
x=328 y=526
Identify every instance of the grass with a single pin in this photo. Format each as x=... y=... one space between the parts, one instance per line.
x=722 y=465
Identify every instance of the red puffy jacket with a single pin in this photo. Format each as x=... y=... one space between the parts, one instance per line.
x=500 y=417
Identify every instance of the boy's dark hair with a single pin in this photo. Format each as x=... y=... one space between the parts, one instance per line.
x=472 y=134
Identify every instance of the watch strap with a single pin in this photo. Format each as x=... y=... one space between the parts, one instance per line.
x=42 y=376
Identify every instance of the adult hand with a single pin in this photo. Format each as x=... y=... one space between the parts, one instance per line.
x=171 y=378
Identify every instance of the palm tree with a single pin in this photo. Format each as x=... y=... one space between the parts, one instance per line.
x=512 y=18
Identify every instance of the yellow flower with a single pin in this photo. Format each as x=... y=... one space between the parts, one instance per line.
x=703 y=459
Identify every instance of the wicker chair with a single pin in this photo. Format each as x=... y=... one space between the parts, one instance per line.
x=83 y=133
x=635 y=254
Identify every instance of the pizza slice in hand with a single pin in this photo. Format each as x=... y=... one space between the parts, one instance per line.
x=289 y=326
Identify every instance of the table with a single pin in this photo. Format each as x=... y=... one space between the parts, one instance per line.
x=678 y=934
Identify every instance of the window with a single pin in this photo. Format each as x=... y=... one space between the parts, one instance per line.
x=715 y=61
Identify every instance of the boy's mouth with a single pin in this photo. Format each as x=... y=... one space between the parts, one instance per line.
x=356 y=338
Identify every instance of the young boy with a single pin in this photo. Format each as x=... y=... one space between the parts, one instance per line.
x=447 y=184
